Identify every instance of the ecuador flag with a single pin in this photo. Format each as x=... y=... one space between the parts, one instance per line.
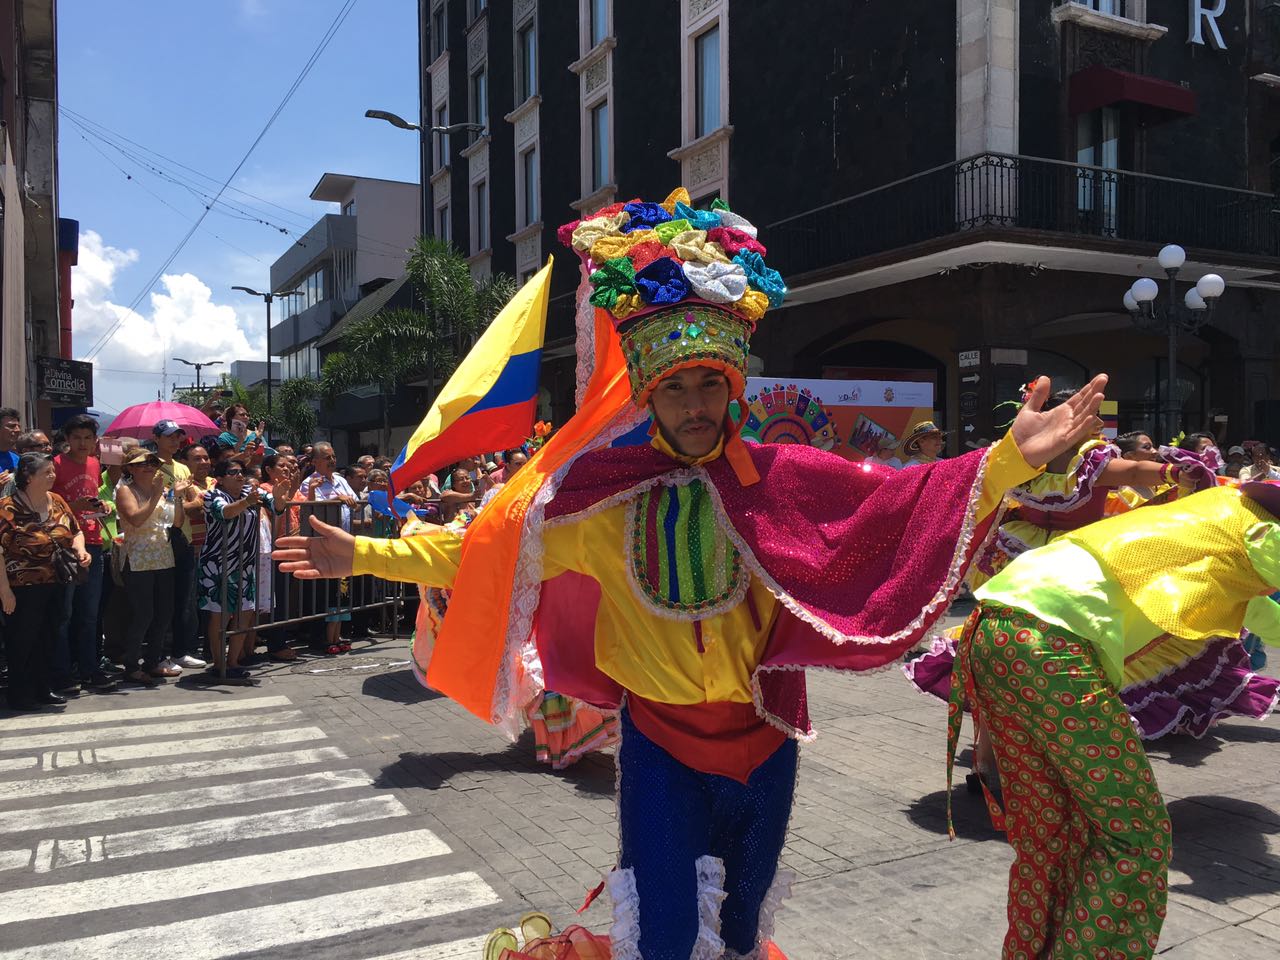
x=491 y=400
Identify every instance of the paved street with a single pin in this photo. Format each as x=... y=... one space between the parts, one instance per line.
x=340 y=811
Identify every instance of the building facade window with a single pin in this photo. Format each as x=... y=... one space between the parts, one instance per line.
x=349 y=208
x=441 y=140
x=706 y=59
x=599 y=20
x=1114 y=7
x=439 y=35
x=600 y=145
x=480 y=98
x=477 y=7
x=480 y=216
x=703 y=150
x=529 y=179
x=443 y=230
x=526 y=62
x=1098 y=146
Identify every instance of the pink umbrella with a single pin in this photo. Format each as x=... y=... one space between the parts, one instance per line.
x=138 y=420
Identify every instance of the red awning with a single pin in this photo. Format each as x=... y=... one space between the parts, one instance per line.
x=1096 y=87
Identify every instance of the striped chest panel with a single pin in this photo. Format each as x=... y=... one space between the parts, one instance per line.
x=680 y=559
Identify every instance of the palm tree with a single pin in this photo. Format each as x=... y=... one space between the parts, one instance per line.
x=294 y=416
x=397 y=346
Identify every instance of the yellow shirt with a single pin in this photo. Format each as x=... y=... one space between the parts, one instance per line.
x=652 y=655
x=1194 y=568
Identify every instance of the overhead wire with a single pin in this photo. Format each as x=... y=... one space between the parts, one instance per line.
x=329 y=34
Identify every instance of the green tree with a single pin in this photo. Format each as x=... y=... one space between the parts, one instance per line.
x=393 y=347
x=295 y=412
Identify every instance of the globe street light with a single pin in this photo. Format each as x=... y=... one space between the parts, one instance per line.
x=267 y=298
x=1176 y=317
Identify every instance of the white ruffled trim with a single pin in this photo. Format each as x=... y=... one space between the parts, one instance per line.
x=1080 y=494
x=585 y=340
x=1218 y=709
x=624 y=933
x=938 y=644
x=1212 y=677
x=711 y=894
x=734 y=598
x=779 y=890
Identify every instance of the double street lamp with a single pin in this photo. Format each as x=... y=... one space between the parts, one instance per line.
x=1174 y=318
x=424 y=174
x=267 y=298
x=199 y=367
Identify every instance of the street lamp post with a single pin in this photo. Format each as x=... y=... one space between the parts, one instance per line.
x=401 y=123
x=1174 y=318
x=199 y=367
x=267 y=298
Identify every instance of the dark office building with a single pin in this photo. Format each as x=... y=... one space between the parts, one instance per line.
x=957 y=192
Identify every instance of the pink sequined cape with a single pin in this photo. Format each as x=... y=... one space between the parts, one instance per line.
x=863 y=560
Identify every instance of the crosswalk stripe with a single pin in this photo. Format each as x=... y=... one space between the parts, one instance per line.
x=19 y=763
x=271 y=927
x=216 y=876
x=132 y=776
x=73 y=739
x=238 y=741
x=192 y=799
x=73 y=851
x=14 y=859
x=39 y=721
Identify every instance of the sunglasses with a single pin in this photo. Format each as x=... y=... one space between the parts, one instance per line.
x=234 y=473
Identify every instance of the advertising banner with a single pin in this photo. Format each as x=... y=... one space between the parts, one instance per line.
x=847 y=417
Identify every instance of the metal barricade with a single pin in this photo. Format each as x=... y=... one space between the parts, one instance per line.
x=293 y=602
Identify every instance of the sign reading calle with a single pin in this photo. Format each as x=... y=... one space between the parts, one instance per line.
x=65 y=383
x=1204 y=23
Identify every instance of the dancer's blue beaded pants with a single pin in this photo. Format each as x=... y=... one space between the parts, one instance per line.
x=670 y=815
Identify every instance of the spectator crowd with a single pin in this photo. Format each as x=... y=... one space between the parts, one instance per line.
x=126 y=562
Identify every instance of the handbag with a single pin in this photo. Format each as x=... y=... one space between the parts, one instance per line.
x=67 y=568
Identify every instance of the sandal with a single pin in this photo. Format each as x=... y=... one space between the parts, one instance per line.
x=333 y=649
x=344 y=646
x=535 y=926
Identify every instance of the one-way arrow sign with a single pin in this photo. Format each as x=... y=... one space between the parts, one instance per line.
x=972 y=379
x=969 y=428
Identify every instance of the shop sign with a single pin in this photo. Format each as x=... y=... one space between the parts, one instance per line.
x=64 y=383
x=1204 y=23
x=969 y=405
x=970 y=358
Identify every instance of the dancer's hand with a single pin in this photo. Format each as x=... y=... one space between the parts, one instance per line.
x=1042 y=435
x=330 y=553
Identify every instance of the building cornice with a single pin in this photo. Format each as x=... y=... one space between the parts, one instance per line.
x=719 y=135
x=1081 y=15
x=524 y=109
x=598 y=52
x=471 y=149
x=596 y=199
x=524 y=233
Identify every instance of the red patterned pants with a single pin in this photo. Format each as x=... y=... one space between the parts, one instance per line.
x=1082 y=811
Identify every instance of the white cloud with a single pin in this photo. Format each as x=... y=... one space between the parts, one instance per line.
x=182 y=320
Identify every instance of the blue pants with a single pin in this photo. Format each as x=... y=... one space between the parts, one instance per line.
x=75 y=650
x=699 y=850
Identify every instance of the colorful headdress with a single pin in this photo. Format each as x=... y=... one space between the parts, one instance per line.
x=683 y=287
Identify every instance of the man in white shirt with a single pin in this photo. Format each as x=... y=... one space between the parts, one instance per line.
x=887 y=453
x=326 y=484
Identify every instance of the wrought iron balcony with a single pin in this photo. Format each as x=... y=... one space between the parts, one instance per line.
x=1028 y=199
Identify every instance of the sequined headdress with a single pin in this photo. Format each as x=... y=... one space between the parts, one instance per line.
x=683 y=287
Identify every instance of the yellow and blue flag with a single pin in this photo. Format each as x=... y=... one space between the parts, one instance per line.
x=490 y=402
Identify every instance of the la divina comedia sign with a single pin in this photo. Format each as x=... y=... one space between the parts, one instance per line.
x=65 y=383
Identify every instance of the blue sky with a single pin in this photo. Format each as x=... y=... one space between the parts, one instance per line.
x=196 y=82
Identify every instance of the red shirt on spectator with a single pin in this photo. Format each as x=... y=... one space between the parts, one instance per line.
x=76 y=480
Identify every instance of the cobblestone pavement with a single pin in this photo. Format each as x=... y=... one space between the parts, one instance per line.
x=878 y=876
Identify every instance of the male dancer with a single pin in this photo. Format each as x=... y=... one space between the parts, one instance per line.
x=690 y=581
